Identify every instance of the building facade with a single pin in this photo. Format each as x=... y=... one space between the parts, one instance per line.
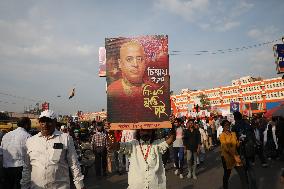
x=90 y=116
x=252 y=95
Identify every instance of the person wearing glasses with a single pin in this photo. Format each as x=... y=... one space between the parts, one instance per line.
x=49 y=156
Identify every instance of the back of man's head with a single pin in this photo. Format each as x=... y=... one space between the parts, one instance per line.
x=24 y=122
x=179 y=120
x=100 y=124
x=237 y=116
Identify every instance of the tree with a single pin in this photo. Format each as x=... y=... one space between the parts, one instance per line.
x=204 y=102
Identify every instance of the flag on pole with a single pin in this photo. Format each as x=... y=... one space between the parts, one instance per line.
x=72 y=93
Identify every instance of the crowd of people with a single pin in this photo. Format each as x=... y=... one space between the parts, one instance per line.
x=48 y=159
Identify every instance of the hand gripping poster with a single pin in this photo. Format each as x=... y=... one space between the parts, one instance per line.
x=138 y=86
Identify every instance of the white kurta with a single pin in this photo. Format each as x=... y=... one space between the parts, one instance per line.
x=144 y=175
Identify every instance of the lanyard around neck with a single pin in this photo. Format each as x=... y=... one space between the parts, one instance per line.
x=145 y=156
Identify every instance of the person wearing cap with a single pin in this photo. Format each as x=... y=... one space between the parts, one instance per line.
x=13 y=147
x=50 y=154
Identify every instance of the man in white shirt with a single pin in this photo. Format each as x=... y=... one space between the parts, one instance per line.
x=50 y=154
x=13 y=147
x=146 y=170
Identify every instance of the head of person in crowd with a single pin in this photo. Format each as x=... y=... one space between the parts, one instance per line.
x=100 y=126
x=190 y=124
x=64 y=129
x=94 y=123
x=207 y=120
x=77 y=133
x=254 y=122
x=72 y=125
x=107 y=125
x=226 y=125
x=146 y=135
x=175 y=122
x=196 y=125
x=245 y=117
x=47 y=121
x=198 y=119
x=25 y=123
x=180 y=122
x=237 y=116
x=58 y=125
x=132 y=62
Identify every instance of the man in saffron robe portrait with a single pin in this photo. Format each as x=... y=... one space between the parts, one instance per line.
x=126 y=96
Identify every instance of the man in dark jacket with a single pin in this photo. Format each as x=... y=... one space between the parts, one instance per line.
x=247 y=149
x=192 y=142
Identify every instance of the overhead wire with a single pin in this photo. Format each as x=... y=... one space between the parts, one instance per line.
x=221 y=51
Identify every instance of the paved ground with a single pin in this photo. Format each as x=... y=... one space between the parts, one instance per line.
x=209 y=177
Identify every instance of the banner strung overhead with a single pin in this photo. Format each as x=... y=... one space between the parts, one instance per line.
x=138 y=94
x=279 y=57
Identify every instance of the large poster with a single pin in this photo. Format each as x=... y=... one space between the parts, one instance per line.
x=102 y=62
x=138 y=86
x=279 y=57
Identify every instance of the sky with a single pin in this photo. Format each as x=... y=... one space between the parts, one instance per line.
x=47 y=47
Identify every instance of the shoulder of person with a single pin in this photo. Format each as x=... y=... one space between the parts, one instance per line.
x=65 y=135
x=234 y=134
x=26 y=133
x=158 y=141
x=5 y=136
x=222 y=135
x=133 y=142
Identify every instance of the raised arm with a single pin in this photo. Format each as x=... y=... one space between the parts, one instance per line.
x=172 y=136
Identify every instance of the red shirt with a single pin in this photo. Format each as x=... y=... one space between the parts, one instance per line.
x=117 y=135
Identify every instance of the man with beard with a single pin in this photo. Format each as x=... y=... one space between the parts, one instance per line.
x=146 y=170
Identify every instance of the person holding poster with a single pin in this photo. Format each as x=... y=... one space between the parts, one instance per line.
x=137 y=95
x=146 y=169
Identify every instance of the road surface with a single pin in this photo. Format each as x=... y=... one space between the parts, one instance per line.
x=209 y=176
